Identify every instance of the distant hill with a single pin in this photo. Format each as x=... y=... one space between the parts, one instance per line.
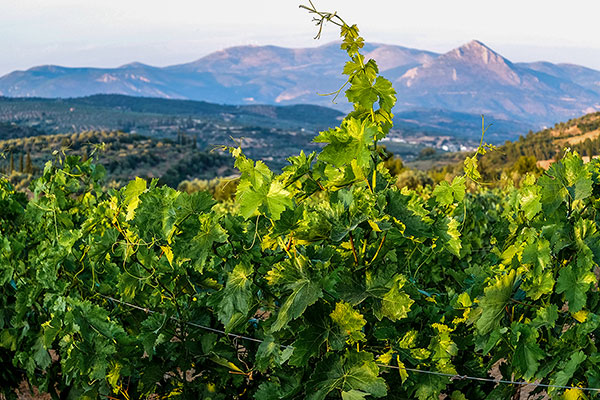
x=270 y=133
x=124 y=157
x=12 y=130
x=471 y=79
x=531 y=151
x=77 y=113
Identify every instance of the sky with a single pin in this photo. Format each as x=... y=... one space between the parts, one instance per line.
x=109 y=33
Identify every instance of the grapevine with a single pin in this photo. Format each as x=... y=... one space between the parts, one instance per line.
x=322 y=281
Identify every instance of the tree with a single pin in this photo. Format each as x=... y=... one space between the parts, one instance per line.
x=28 y=164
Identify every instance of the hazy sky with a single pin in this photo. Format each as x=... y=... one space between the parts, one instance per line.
x=109 y=33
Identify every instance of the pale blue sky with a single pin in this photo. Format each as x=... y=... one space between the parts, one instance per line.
x=109 y=33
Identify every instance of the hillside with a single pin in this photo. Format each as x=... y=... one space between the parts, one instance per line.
x=533 y=152
x=124 y=156
x=11 y=130
x=111 y=112
x=271 y=133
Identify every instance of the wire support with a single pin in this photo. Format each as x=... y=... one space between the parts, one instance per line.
x=418 y=371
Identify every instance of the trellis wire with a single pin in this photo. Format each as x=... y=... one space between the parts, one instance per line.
x=420 y=371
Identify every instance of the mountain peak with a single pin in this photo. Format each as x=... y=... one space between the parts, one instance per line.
x=476 y=52
x=472 y=63
x=476 y=44
x=134 y=64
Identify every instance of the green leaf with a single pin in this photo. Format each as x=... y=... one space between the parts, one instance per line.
x=350 y=320
x=361 y=91
x=442 y=345
x=577 y=177
x=41 y=356
x=354 y=395
x=545 y=316
x=278 y=387
x=446 y=194
x=318 y=330
x=270 y=354
x=566 y=179
x=495 y=298
x=471 y=168
x=386 y=93
x=447 y=230
x=528 y=353
x=349 y=142
x=304 y=293
x=539 y=285
x=537 y=254
x=574 y=283
x=277 y=200
x=396 y=304
x=562 y=377
x=354 y=371
x=257 y=191
x=530 y=201
x=235 y=300
x=199 y=247
x=67 y=239
x=132 y=196
x=539 y=279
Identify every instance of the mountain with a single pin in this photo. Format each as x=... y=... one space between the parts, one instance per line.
x=586 y=77
x=474 y=78
x=471 y=79
x=237 y=75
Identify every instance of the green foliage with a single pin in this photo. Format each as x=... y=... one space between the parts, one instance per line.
x=331 y=273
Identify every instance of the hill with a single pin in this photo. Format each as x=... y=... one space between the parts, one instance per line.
x=271 y=133
x=11 y=130
x=533 y=152
x=119 y=111
x=124 y=156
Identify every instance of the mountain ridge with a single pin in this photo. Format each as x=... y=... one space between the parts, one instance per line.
x=472 y=78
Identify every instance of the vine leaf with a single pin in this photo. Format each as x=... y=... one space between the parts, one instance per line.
x=304 y=293
x=446 y=193
x=350 y=320
x=567 y=371
x=528 y=353
x=354 y=395
x=348 y=142
x=353 y=371
x=395 y=303
x=235 y=300
x=574 y=284
x=566 y=179
x=492 y=304
x=258 y=191
x=132 y=196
